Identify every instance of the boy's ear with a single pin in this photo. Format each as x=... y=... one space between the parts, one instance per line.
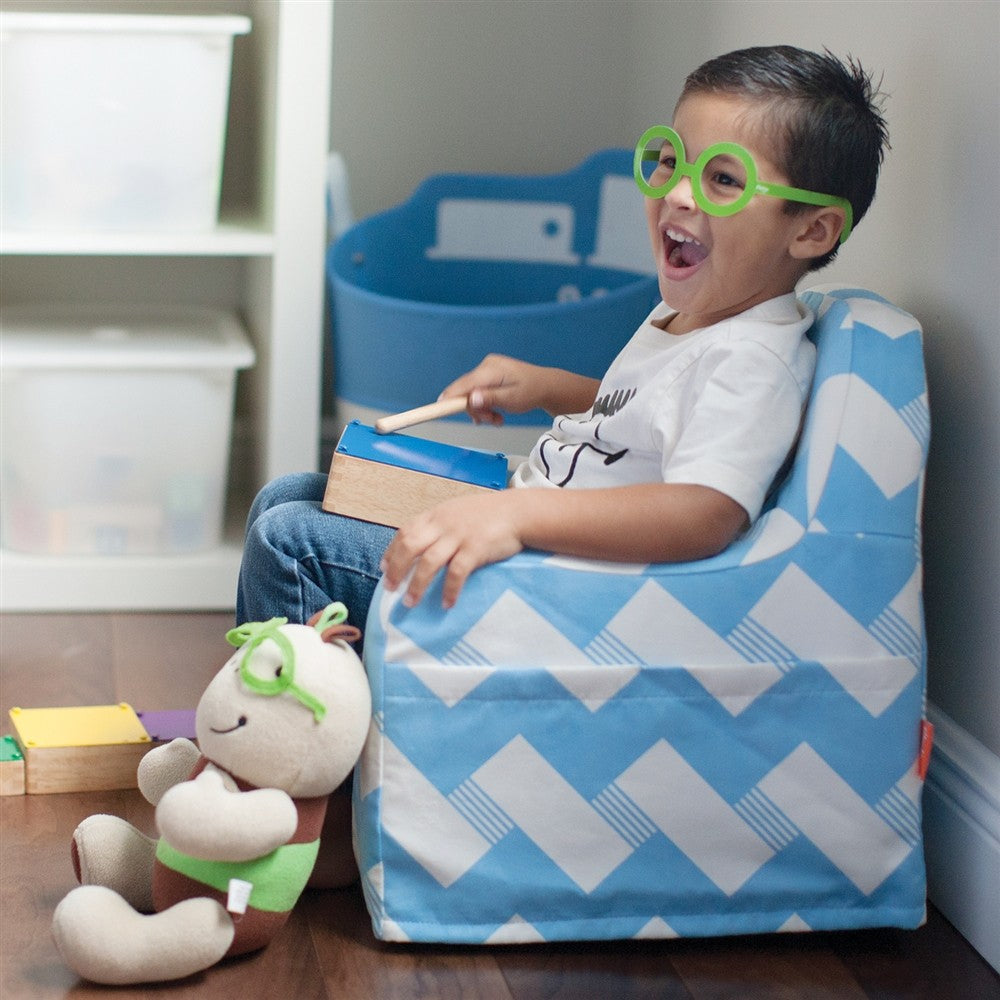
x=819 y=232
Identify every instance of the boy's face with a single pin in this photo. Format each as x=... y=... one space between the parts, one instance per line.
x=735 y=262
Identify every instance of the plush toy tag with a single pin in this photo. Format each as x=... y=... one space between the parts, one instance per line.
x=239 y=895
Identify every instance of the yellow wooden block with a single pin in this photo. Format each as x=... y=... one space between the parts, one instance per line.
x=80 y=749
x=84 y=726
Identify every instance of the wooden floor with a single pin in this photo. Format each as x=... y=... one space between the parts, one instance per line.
x=162 y=661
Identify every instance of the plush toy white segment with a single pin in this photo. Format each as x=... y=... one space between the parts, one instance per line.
x=111 y=943
x=279 y=728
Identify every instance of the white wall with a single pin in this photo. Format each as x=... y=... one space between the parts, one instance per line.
x=427 y=86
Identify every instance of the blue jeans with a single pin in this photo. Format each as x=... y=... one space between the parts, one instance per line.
x=297 y=558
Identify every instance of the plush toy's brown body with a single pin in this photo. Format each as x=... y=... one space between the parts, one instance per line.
x=254 y=928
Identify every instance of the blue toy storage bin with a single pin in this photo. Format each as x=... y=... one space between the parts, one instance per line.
x=551 y=269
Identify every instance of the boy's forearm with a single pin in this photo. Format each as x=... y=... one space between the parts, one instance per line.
x=654 y=522
x=500 y=384
x=568 y=392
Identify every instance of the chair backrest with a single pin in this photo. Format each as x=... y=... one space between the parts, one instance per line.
x=860 y=463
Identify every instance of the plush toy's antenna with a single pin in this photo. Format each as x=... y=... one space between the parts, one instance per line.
x=329 y=624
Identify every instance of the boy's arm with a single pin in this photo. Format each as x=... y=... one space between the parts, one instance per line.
x=651 y=522
x=501 y=384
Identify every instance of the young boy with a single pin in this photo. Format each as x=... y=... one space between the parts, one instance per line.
x=772 y=156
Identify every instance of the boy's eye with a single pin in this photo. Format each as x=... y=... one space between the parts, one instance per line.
x=723 y=179
x=659 y=161
x=726 y=180
x=665 y=167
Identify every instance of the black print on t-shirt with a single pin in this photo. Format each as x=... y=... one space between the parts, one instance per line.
x=610 y=457
x=606 y=406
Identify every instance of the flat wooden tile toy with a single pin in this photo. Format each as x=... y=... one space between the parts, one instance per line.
x=11 y=767
x=80 y=749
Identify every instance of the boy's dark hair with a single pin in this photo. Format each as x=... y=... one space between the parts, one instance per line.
x=824 y=115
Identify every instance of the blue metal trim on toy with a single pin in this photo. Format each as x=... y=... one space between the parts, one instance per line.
x=464 y=465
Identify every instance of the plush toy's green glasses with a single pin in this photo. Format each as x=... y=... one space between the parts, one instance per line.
x=268 y=675
x=723 y=178
x=263 y=675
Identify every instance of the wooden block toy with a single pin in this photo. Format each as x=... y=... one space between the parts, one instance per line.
x=388 y=478
x=11 y=767
x=169 y=724
x=81 y=749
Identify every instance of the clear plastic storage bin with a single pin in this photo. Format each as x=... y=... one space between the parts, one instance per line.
x=115 y=428
x=113 y=121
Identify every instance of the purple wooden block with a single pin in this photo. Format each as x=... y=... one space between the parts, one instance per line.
x=169 y=724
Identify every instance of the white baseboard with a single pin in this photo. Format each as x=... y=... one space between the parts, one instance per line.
x=962 y=834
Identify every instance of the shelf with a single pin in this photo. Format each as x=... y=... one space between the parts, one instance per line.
x=204 y=580
x=264 y=261
x=229 y=239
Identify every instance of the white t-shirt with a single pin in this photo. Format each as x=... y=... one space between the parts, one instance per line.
x=719 y=407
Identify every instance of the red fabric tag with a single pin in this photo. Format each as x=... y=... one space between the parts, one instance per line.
x=926 y=743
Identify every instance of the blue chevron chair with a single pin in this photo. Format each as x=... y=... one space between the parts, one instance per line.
x=584 y=750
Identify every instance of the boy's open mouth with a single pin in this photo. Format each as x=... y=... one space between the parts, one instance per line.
x=682 y=250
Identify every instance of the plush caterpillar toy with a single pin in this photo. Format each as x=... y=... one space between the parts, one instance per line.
x=279 y=728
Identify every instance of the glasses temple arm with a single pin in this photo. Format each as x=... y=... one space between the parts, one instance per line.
x=812 y=198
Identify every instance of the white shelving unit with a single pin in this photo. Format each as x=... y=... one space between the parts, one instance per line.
x=264 y=261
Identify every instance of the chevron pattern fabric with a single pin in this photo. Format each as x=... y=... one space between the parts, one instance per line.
x=585 y=750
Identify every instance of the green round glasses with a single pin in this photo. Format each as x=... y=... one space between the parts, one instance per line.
x=723 y=178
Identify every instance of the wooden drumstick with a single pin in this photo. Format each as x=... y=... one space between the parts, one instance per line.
x=420 y=415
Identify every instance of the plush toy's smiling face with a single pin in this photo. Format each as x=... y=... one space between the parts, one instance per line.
x=287 y=711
